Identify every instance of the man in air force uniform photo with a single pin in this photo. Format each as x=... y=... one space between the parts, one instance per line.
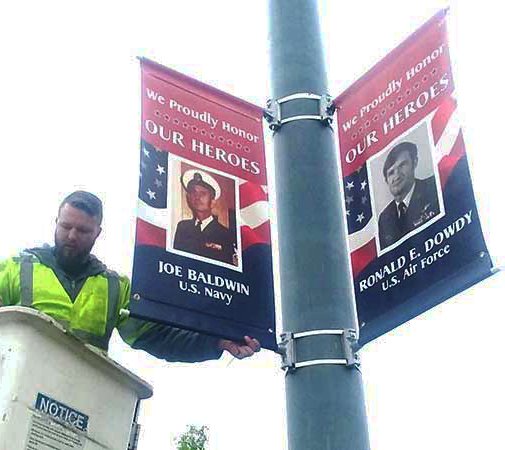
x=203 y=234
x=415 y=201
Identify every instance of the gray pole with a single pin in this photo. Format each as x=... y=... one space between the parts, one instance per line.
x=325 y=403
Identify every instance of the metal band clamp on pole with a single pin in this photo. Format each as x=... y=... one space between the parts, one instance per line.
x=273 y=111
x=290 y=361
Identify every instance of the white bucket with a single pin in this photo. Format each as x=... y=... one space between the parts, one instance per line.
x=57 y=392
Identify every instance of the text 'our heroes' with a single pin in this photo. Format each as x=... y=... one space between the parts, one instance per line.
x=206 y=284
x=399 y=117
x=198 y=146
x=420 y=100
x=202 y=148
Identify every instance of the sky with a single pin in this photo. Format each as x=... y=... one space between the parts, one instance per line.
x=70 y=115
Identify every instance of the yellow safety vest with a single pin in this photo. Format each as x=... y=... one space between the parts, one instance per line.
x=94 y=313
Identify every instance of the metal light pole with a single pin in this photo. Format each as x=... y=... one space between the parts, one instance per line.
x=325 y=403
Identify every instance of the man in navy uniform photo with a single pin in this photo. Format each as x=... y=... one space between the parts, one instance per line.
x=203 y=234
x=415 y=201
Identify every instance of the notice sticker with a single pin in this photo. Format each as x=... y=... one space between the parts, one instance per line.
x=62 y=412
x=45 y=434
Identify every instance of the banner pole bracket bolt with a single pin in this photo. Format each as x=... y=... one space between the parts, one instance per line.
x=348 y=341
x=273 y=113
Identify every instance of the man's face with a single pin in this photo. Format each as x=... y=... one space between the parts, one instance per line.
x=75 y=235
x=401 y=175
x=200 y=200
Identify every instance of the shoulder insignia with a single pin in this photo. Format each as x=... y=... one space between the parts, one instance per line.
x=213 y=245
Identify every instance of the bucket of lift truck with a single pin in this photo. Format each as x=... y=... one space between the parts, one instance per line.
x=56 y=392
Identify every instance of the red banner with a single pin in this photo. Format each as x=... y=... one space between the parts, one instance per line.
x=409 y=83
x=203 y=249
x=202 y=124
x=413 y=230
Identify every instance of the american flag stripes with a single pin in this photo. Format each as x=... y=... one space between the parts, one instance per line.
x=400 y=119
x=216 y=278
x=153 y=215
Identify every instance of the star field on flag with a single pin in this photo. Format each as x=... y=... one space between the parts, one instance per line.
x=153 y=176
x=357 y=200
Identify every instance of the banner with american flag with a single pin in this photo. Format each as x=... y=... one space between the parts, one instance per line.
x=202 y=256
x=414 y=234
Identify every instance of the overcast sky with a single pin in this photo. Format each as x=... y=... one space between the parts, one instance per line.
x=70 y=115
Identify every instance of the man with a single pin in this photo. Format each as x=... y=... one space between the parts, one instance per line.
x=203 y=235
x=76 y=289
x=415 y=201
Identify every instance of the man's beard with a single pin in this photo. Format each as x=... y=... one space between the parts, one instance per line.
x=70 y=259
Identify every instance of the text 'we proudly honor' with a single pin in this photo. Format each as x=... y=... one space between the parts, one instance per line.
x=414 y=234
x=203 y=249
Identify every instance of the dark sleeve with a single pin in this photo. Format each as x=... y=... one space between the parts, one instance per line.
x=177 y=237
x=434 y=194
x=381 y=229
x=226 y=238
x=174 y=344
x=163 y=341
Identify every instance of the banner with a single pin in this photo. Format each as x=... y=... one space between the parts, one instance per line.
x=203 y=251
x=413 y=230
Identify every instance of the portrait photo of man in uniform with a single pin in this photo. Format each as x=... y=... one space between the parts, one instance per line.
x=204 y=233
x=415 y=200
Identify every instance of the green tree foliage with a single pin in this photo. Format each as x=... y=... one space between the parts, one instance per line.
x=194 y=438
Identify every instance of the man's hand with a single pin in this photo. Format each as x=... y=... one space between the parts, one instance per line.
x=240 y=350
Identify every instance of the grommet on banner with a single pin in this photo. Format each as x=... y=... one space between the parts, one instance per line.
x=274 y=116
x=288 y=350
x=124 y=312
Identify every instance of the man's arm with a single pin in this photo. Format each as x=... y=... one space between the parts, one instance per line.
x=240 y=350
x=174 y=344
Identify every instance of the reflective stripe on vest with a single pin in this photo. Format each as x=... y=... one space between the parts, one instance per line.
x=133 y=328
x=26 y=281
x=112 y=306
x=92 y=283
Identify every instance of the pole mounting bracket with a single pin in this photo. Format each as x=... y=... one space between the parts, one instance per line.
x=348 y=339
x=275 y=117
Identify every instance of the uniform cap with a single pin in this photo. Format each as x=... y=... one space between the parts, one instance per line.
x=198 y=177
